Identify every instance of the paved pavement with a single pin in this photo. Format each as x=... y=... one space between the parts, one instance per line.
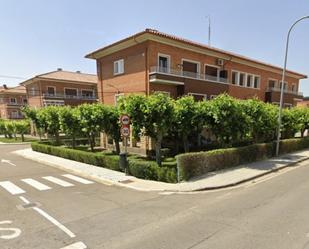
x=270 y=212
x=212 y=180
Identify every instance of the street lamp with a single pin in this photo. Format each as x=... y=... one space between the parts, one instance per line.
x=282 y=84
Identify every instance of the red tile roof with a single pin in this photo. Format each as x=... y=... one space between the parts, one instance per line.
x=176 y=38
x=74 y=77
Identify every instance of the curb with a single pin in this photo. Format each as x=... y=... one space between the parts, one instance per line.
x=24 y=143
x=119 y=184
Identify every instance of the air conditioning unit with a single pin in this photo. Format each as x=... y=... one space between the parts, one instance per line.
x=220 y=62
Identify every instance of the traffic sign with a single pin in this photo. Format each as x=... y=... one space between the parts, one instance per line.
x=125 y=119
x=125 y=130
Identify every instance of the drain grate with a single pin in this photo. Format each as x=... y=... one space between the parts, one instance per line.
x=28 y=205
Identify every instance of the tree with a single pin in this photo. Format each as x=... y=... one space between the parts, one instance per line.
x=302 y=116
x=263 y=119
x=38 y=124
x=289 y=123
x=151 y=115
x=22 y=128
x=69 y=123
x=185 y=111
x=111 y=124
x=90 y=118
x=49 y=117
x=226 y=119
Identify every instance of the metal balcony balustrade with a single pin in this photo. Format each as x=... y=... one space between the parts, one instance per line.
x=181 y=73
x=277 y=89
x=65 y=96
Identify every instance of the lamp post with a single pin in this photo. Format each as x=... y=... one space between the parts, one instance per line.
x=282 y=84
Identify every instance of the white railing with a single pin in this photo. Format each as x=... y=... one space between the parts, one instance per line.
x=180 y=73
x=65 y=96
x=277 y=89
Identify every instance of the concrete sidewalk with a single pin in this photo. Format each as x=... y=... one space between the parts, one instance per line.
x=213 y=180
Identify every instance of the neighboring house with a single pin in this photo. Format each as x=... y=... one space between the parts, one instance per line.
x=12 y=99
x=61 y=88
x=151 y=61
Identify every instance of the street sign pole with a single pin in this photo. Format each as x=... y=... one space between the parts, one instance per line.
x=125 y=132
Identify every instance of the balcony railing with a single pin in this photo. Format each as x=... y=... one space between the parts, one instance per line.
x=65 y=96
x=277 y=89
x=181 y=73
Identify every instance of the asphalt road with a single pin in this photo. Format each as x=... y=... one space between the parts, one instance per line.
x=42 y=207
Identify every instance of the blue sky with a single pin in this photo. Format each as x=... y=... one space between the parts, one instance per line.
x=39 y=36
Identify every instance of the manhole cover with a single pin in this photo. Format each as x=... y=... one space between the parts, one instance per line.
x=28 y=206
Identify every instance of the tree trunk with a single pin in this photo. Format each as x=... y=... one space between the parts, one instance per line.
x=22 y=137
x=199 y=140
x=117 y=146
x=185 y=144
x=73 y=142
x=302 y=132
x=158 y=149
x=57 y=137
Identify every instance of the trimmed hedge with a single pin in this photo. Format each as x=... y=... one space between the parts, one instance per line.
x=137 y=167
x=98 y=159
x=198 y=163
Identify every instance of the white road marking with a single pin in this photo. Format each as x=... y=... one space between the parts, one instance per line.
x=36 y=184
x=24 y=199
x=51 y=219
x=78 y=179
x=7 y=161
x=12 y=188
x=15 y=231
x=58 y=181
x=77 y=245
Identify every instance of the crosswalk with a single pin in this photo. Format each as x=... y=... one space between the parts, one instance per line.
x=45 y=183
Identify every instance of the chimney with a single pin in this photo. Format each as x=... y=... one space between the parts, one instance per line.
x=78 y=71
x=5 y=86
x=59 y=69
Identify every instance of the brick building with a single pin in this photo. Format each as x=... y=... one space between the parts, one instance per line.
x=61 y=88
x=12 y=99
x=152 y=61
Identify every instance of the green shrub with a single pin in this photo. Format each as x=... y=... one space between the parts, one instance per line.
x=198 y=163
x=150 y=170
x=98 y=159
x=138 y=167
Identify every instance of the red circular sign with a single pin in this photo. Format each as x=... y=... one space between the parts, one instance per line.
x=125 y=119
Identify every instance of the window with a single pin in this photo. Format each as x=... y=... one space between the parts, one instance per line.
x=51 y=91
x=294 y=89
x=272 y=83
x=249 y=80
x=223 y=74
x=164 y=63
x=118 y=67
x=88 y=93
x=190 y=68
x=235 y=78
x=15 y=114
x=13 y=101
x=256 y=81
x=70 y=92
x=117 y=97
x=198 y=96
x=212 y=71
x=53 y=102
x=25 y=101
x=242 y=77
x=32 y=91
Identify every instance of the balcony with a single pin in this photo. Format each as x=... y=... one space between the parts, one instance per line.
x=64 y=96
x=277 y=89
x=184 y=74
